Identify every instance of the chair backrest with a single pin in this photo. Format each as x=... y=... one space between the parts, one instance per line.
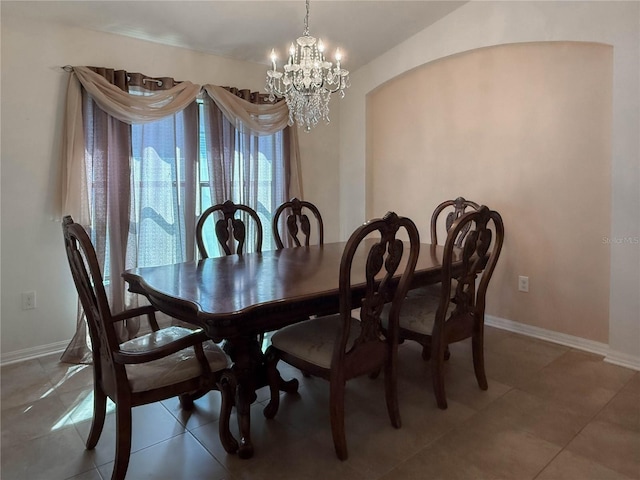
x=229 y=228
x=87 y=277
x=297 y=221
x=387 y=257
x=479 y=254
x=457 y=208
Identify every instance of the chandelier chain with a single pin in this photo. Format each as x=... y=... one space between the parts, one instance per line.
x=306 y=21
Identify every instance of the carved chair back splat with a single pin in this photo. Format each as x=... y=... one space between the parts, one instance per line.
x=297 y=222
x=231 y=231
x=460 y=205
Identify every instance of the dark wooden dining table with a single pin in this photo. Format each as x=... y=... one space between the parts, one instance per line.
x=235 y=298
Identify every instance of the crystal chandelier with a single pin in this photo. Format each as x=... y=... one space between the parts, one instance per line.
x=307 y=80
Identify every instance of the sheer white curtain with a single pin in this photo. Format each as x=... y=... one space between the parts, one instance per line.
x=245 y=166
x=164 y=161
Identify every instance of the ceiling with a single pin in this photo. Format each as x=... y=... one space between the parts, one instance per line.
x=247 y=30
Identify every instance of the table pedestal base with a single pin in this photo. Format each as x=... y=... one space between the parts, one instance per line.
x=250 y=372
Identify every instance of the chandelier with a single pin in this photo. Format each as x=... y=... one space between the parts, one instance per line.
x=307 y=80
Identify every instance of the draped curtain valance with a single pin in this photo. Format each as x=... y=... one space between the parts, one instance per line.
x=257 y=119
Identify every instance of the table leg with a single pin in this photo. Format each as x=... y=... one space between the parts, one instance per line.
x=246 y=355
x=250 y=372
x=243 y=406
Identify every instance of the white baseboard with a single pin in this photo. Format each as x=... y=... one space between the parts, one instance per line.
x=623 y=359
x=610 y=356
x=34 y=352
x=548 y=335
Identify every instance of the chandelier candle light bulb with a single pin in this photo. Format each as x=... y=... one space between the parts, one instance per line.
x=307 y=80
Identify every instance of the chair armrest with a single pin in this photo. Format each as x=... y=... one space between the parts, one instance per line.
x=128 y=357
x=147 y=310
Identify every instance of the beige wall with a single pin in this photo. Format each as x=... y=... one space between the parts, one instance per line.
x=320 y=170
x=490 y=23
x=33 y=89
x=525 y=129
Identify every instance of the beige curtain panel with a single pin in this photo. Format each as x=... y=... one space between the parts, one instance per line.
x=259 y=119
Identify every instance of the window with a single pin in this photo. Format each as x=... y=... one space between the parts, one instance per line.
x=168 y=192
x=144 y=185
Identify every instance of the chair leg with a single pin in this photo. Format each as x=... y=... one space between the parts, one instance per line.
x=187 y=399
x=336 y=408
x=426 y=347
x=426 y=352
x=123 y=441
x=273 y=377
x=437 y=374
x=477 y=345
x=391 y=393
x=227 y=387
x=99 y=413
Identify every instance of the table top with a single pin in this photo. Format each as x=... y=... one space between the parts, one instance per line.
x=250 y=293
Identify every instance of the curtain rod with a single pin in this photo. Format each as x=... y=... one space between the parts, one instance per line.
x=69 y=68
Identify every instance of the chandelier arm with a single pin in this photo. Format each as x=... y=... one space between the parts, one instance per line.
x=319 y=87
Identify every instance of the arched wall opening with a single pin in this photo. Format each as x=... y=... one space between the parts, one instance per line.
x=524 y=128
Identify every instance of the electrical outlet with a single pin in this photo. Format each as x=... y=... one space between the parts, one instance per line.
x=523 y=283
x=28 y=300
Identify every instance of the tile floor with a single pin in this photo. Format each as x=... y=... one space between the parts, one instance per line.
x=550 y=413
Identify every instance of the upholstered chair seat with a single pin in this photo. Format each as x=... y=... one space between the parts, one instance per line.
x=418 y=315
x=174 y=368
x=426 y=291
x=418 y=311
x=313 y=340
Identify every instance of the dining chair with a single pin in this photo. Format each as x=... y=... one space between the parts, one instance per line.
x=442 y=218
x=297 y=221
x=230 y=231
x=458 y=312
x=340 y=347
x=164 y=363
x=454 y=209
